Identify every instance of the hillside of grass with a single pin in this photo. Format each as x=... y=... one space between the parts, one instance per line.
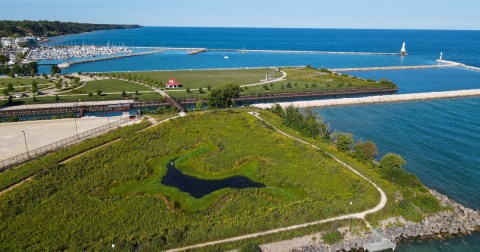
x=114 y=194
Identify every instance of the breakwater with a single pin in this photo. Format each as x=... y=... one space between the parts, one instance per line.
x=203 y=69
x=266 y=51
x=374 y=99
x=458 y=64
x=273 y=96
x=392 y=68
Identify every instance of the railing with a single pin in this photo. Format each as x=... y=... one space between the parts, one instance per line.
x=24 y=157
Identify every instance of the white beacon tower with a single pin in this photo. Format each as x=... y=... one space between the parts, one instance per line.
x=403 y=51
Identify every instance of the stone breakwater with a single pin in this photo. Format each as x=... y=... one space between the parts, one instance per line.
x=374 y=99
x=456 y=220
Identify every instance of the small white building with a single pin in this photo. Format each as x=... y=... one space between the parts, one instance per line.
x=173 y=83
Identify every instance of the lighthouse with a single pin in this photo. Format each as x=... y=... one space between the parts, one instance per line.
x=403 y=51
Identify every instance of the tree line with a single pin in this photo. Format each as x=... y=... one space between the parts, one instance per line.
x=45 y=28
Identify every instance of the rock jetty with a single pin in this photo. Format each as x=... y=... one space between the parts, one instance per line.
x=456 y=220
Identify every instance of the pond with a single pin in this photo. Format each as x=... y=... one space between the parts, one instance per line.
x=201 y=187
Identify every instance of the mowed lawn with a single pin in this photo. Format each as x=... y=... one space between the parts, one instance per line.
x=18 y=82
x=114 y=194
x=112 y=86
x=203 y=79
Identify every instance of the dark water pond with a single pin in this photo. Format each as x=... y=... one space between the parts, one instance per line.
x=200 y=187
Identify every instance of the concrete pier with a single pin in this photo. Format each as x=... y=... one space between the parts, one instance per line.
x=392 y=68
x=374 y=99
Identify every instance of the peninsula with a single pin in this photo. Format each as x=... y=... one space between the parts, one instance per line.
x=45 y=28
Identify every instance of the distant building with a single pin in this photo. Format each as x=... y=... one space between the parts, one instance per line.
x=20 y=42
x=173 y=83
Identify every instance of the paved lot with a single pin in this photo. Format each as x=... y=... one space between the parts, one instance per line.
x=40 y=133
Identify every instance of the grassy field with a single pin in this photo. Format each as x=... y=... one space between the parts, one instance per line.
x=114 y=194
x=21 y=82
x=151 y=96
x=298 y=80
x=112 y=86
x=203 y=79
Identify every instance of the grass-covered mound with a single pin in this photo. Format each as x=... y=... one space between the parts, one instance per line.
x=114 y=194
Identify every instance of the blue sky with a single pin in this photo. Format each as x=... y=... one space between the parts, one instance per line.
x=397 y=14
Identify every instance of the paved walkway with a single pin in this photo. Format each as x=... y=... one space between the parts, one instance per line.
x=361 y=215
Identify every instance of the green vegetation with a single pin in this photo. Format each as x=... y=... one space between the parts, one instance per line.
x=332 y=237
x=199 y=79
x=51 y=28
x=111 y=86
x=21 y=172
x=118 y=191
x=408 y=197
x=222 y=97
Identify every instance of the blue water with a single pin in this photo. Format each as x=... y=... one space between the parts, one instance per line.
x=439 y=138
x=423 y=47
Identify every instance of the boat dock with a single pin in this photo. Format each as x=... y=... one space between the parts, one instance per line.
x=70 y=63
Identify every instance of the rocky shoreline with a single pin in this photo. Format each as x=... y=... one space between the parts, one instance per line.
x=457 y=221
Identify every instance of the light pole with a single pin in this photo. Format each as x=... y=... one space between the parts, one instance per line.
x=26 y=146
x=76 y=128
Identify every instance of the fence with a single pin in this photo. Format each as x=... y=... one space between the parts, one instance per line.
x=18 y=159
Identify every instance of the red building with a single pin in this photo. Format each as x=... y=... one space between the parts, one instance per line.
x=173 y=83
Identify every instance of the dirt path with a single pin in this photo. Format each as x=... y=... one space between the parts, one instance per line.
x=361 y=215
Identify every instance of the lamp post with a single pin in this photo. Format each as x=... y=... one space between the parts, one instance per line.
x=76 y=127
x=26 y=146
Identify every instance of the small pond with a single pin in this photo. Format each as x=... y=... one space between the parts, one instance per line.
x=200 y=187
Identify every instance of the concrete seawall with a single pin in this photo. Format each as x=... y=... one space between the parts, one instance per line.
x=374 y=99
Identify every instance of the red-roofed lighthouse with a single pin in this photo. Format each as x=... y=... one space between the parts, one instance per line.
x=173 y=83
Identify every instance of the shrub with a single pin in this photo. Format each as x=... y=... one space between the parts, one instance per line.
x=332 y=237
x=250 y=247
x=344 y=141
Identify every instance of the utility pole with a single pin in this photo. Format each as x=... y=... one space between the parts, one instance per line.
x=26 y=146
x=76 y=128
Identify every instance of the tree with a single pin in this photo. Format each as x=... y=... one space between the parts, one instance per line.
x=5 y=92
x=136 y=92
x=365 y=151
x=45 y=76
x=278 y=110
x=199 y=104
x=223 y=96
x=209 y=88
x=34 y=99
x=124 y=94
x=188 y=90
x=58 y=84
x=55 y=70
x=99 y=92
x=11 y=73
x=32 y=73
x=392 y=162
x=344 y=141
x=57 y=98
x=10 y=87
x=90 y=94
x=34 y=87
x=200 y=90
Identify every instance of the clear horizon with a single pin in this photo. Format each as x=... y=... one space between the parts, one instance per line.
x=342 y=14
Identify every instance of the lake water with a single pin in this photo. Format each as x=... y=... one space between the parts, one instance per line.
x=201 y=187
x=439 y=139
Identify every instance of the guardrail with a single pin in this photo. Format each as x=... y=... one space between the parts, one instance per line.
x=24 y=157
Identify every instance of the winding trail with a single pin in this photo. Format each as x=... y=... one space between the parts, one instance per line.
x=361 y=215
